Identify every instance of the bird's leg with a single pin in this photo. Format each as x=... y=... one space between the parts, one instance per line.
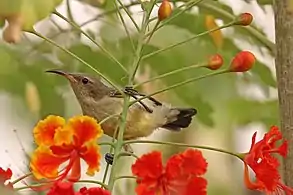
x=110 y=157
x=131 y=90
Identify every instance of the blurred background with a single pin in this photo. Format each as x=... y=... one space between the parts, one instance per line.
x=231 y=107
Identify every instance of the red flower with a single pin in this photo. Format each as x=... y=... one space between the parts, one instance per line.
x=59 y=142
x=5 y=176
x=93 y=191
x=66 y=188
x=181 y=175
x=242 y=62
x=260 y=160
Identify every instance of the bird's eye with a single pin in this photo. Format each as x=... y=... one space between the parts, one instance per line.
x=84 y=80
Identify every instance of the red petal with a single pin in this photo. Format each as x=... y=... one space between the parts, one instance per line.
x=194 y=162
x=148 y=166
x=62 y=188
x=85 y=129
x=197 y=186
x=44 y=163
x=92 y=157
x=174 y=166
x=5 y=175
x=62 y=150
x=283 y=149
x=94 y=191
x=145 y=189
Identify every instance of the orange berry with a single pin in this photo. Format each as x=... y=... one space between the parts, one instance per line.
x=215 y=62
x=244 y=19
x=165 y=10
x=242 y=62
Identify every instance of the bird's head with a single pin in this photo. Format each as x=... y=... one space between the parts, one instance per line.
x=84 y=86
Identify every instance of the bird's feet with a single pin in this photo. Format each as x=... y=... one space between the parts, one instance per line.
x=109 y=158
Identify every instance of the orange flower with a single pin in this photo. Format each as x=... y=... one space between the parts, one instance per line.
x=181 y=175
x=59 y=142
x=260 y=160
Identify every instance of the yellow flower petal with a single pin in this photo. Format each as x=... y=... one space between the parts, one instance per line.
x=85 y=128
x=45 y=130
x=63 y=136
x=44 y=164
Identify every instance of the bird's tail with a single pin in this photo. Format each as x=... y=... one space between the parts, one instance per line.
x=183 y=119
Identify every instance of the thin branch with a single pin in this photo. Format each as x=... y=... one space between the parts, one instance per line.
x=77 y=58
x=129 y=14
x=90 y=38
x=187 y=40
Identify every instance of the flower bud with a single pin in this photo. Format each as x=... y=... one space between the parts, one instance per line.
x=242 y=62
x=215 y=62
x=165 y=10
x=244 y=19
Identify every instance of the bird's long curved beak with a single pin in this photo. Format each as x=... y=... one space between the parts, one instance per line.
x=63 y=73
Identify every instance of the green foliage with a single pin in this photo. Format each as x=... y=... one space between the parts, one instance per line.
x=203 y=95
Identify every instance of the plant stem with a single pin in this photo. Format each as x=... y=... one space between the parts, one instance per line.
x=91 y=39
x=94 y=182
x=250 y=29
x=125 y=177
x=77 y=58
x=122 y=126
x=170 y=73
x=187 y=40
x=127 y=154
x=108 y=117
x=21 y=178
x=107 y=144
x=125 y=27
x=129 y=14
x=139 y=49
x=180 y=84
x=69 y=12
x=183 y=145
x=119 y=142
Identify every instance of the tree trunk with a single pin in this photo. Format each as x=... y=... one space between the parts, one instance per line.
x=284 y=67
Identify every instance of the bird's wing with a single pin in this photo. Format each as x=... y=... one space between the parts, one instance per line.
x=136 y=95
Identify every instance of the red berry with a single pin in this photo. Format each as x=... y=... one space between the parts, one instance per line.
x=165 y=10
x=215 y=62
x=244 y=19
x=242 y=62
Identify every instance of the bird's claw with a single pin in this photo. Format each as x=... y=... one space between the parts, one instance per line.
x=109 y=158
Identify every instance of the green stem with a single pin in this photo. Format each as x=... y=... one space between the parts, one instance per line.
x=137 y=57
x=250 y=29
x=127 y=154
x=187 y=40
x=94 y=182
x=91 y=39
x=69 y=12
x=129 y=14
x=170 y=73
x=183 y=145
x=21 y=178
x=180 y=84
x=125 y=177
x=125 y=27
x=77 y=58
x=107 y=144
x=119 y=142
x=108 y=117
x=152 y=32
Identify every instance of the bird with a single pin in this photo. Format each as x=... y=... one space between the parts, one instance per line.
x=99 y=100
